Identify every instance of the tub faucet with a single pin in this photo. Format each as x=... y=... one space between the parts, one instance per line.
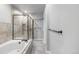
x=22 y=41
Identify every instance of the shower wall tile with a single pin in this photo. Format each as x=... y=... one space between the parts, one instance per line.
x=38 y=29
x=5 y=32
x=38 y=47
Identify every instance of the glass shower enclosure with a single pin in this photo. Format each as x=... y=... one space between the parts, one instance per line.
x=22 y=27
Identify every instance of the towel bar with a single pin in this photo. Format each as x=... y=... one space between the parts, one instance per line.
x=56 y=31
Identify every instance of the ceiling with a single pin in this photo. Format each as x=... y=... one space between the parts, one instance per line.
x=36 y=10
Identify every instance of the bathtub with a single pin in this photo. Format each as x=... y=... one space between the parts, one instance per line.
x=13 y=47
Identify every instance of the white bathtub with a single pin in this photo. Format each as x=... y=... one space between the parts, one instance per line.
x=13 y=47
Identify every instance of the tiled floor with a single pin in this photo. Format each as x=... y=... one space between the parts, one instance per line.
x=38 y=47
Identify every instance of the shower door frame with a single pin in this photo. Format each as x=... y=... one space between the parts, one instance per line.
x=13 y=27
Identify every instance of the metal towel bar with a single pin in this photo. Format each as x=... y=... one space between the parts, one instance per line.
x=56 y=31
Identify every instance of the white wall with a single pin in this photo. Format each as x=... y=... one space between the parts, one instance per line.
x=5 y=13
x=66 y=18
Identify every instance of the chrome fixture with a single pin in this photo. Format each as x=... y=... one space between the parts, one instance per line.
x=56 y=31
